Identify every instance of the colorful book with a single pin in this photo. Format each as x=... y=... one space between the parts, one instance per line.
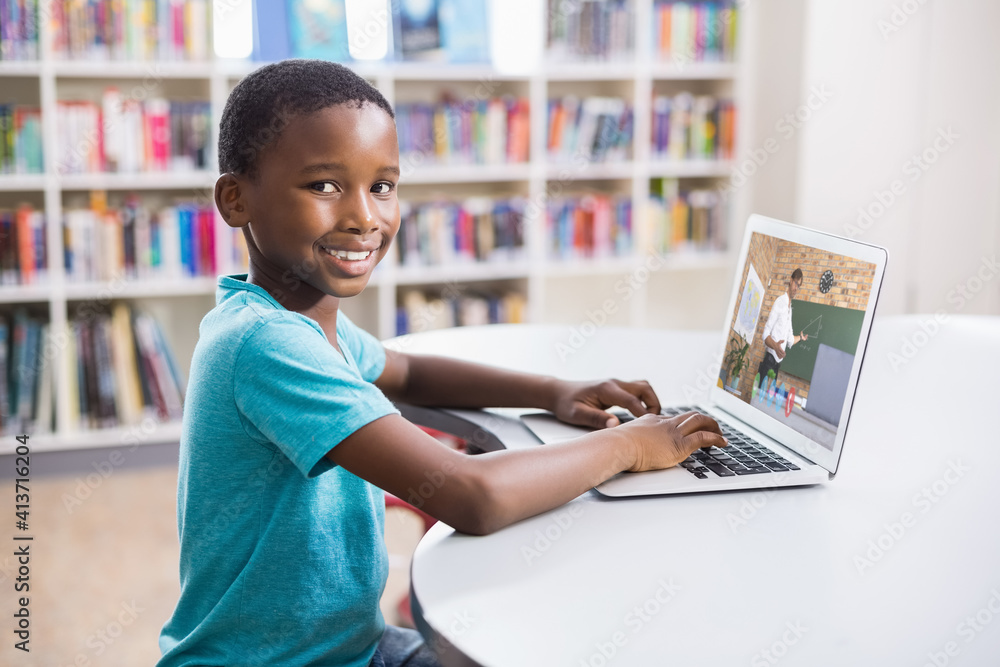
x=589 y=226
x=474 y=230
x=318 y=29
x=465 y=33
x=685 y=220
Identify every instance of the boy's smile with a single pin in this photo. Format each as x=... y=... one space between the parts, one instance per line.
x=322 y=210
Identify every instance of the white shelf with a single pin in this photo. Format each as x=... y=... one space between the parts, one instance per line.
x=142 y=288
x=158 y=180
x=591 y=71
x=20 y=68
x=590 y=170
x=21 y=182
x=539 y=181
x=693 y=71
x=468 y=173
x=470 y=272
x=122 y=437
x=25 y=293
x=690 y=168
x=113 y=69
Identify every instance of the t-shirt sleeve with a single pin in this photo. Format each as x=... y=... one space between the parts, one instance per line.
x=367 y=350
x=296 y=391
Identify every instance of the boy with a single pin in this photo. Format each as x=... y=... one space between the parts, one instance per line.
x=288 y=426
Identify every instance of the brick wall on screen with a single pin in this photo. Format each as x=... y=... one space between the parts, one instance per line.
x=761 y=254
x=851 y=289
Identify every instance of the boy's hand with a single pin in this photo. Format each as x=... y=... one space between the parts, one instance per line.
x=583 y=403
x=663 y=442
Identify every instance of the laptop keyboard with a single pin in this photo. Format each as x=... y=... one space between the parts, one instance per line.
x=743 y=456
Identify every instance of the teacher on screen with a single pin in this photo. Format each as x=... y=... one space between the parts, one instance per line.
x=778 y=335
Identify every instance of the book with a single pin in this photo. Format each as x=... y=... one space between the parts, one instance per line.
x=420 y=311
x=416 y=29
x=5 y=411
x=686 y=32
x=589 y=226
x=120 y=369
x=20 y=139
x=691 y=220
x=445 y=233
x=318 y=29
x=23 y=246
x=44 y=401
x=271 y=40
x=600 y=30
x=598 y=129
x=130 y=136
x=133 y=242
x=689 y=127
x=19 y=30
x=128 y=395
x=464 y=28
x=468 y=132
x=129 y=30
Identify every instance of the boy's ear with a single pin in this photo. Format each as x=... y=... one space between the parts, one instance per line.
x=231 y=201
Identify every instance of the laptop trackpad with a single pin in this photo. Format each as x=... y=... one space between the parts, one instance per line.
x=548 y=429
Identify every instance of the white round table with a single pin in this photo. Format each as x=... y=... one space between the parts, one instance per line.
x=895 y=561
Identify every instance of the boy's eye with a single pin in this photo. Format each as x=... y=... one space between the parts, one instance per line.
x=325 y=186
x=382 y=188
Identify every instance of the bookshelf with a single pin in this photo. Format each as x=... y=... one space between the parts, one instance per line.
x=554 y=290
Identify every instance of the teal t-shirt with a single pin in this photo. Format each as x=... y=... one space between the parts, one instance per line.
x=282 y=558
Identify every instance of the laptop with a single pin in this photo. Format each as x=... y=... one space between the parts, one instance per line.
x=785 y=420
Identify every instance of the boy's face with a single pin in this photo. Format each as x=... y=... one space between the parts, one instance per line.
x=323 y=208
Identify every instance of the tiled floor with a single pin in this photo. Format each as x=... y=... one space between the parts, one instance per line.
x=103 y=565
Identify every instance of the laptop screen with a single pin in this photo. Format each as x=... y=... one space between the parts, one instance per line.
x=793 y=339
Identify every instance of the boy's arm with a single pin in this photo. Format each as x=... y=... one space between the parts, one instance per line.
x=446 y=382
x=483 y=493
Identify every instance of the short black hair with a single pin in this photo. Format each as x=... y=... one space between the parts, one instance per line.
x=797 y=274
x=264 y=101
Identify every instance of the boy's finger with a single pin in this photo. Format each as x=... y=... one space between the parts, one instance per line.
x=699 y=422
x=618 y=395
x=703 y=439
x=584 y=415
x=645 y=392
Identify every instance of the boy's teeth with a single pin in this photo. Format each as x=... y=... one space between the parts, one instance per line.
x=348 y=254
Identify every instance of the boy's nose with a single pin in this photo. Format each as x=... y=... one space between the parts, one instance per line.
x=358 y=216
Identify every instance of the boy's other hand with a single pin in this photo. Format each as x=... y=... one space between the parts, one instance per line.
x=663 y=442
x=584 y=403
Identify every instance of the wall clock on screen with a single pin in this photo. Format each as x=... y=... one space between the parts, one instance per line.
x=826 y=281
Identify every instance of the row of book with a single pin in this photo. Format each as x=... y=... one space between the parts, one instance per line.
x=685 y=32
x=464 y=132
x=589 y=226
x=590 y=30
x=134 y=242
x=455 y=31
x=129 y=136
x=26 y=387
x=456 y=306
x=477 y=229
x=682 y=221
x=22 y=246
x=598 y=129
x=121 y=370
x=20 y=139
x=130 y=29
x=689 y=127
x=19 y=30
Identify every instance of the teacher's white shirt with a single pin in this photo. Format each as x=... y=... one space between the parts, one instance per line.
x=779 y=324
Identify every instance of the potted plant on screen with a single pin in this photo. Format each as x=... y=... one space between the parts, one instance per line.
x=736 y=360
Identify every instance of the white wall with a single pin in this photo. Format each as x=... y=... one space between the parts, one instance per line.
x=897 y=86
